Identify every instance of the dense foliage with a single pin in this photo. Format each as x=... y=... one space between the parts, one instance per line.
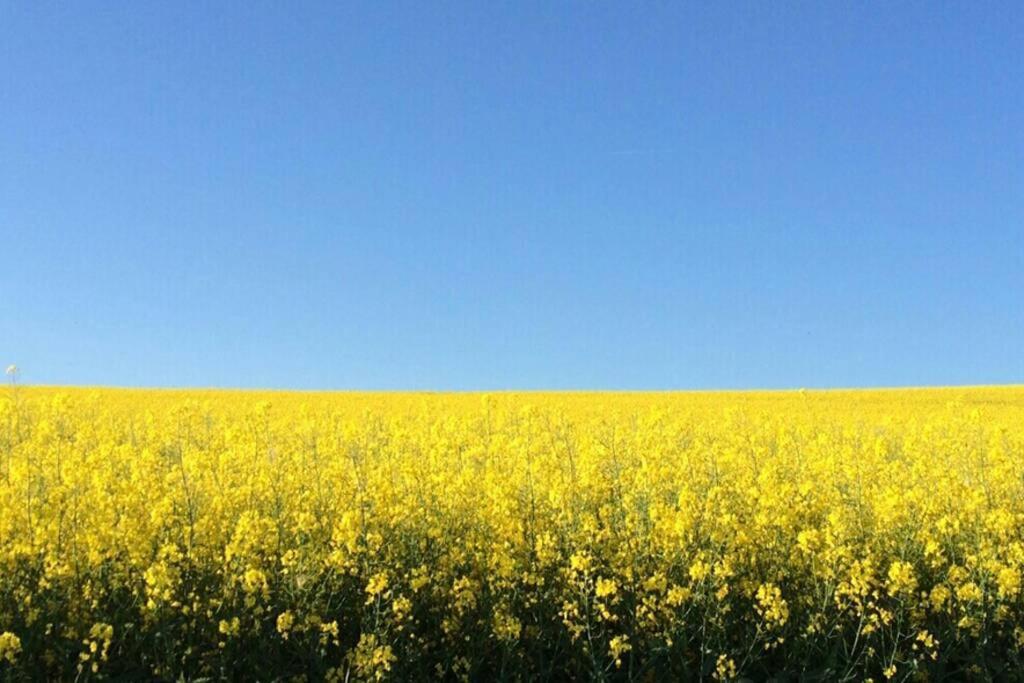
x=201 y=534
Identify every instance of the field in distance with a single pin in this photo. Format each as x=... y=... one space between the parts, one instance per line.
x=187 y=534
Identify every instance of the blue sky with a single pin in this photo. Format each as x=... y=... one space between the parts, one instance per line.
x=512 y=195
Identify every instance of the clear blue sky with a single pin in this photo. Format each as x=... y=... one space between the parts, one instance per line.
x=512 y=195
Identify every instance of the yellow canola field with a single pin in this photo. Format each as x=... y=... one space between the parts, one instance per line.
x=348 y=536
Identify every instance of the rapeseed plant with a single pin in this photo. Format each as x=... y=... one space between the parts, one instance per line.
x=208 y=534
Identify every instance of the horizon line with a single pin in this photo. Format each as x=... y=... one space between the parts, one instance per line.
x=718 y=390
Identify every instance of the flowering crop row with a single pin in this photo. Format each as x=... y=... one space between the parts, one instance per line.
x=245 y=535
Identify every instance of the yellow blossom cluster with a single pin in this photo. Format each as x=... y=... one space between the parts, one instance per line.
x=150 y=534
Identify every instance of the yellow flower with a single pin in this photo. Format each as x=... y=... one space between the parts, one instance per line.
x=329 y=633
x=699 y=570
x=618 y=646
x=285 y=623
x=770 y=605
x=10 y=647
x=229 y=627
x=725 y=668
x=606 y=587
x=901 y=579
x=371 y=659
x=969 y=592
x=377 y=584
x=1008 y=582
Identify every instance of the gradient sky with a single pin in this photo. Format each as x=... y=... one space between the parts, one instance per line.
x=399 y=195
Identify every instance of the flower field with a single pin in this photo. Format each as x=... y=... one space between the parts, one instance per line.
x=839 y=535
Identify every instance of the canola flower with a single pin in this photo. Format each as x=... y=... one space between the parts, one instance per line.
x=843 y=535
